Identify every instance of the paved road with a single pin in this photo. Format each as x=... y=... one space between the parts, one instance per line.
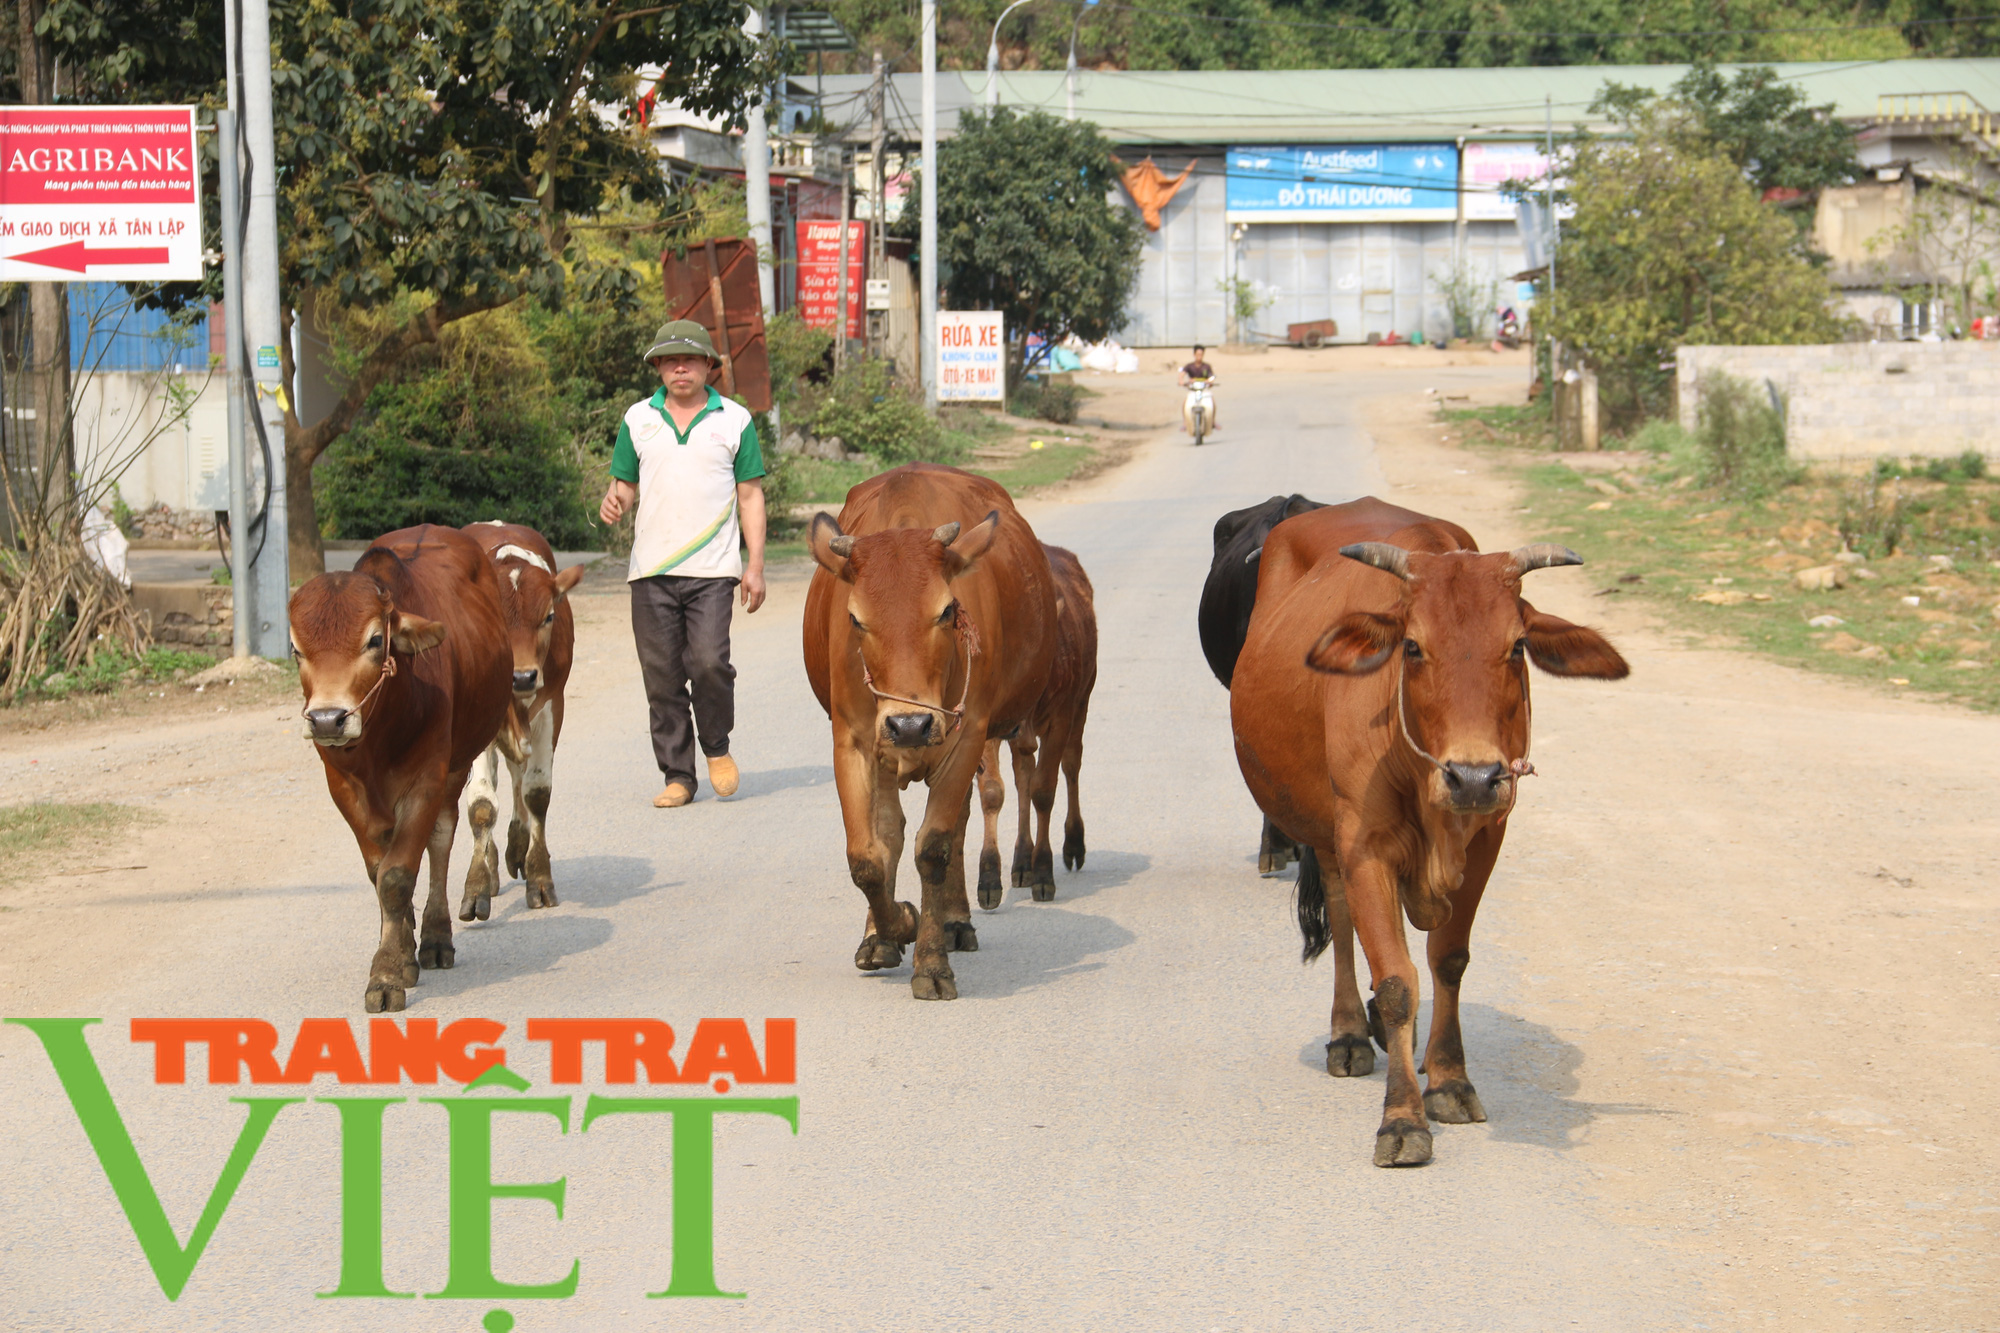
x=1123 y=1124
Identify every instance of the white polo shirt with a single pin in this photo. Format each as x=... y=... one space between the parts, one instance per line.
x=687 y=523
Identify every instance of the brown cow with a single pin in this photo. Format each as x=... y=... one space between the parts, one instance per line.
x=404 y=665
x=542 y=630
x=1056 y=730
x=931 y=588
x=1381 y=714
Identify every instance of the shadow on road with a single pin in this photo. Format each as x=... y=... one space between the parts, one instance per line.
x=775 y=780
x=1101 y=870
x=504 y=950
x=1026 y=950
x=588 y=881
x=1525 y=1073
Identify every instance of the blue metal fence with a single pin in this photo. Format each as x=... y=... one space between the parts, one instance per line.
x=107 y=332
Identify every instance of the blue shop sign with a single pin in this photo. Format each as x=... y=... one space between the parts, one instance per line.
x=1344 y=183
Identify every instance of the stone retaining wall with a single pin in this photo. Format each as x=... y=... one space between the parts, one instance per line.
x=188 y=615
x=1862 y=400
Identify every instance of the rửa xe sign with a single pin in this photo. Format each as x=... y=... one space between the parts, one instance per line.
x=99 y=192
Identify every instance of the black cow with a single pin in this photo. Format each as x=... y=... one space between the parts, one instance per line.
x=1227 y=599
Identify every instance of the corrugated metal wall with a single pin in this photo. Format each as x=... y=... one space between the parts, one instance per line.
x=1369 y=277
x=1177 y=302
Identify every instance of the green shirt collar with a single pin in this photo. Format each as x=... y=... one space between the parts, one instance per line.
x=660 y=405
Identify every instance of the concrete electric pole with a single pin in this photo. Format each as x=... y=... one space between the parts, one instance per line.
x=927 y=258
x=270 y=634
x=757 y=184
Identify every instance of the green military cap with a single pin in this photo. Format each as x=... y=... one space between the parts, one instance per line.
x=681 y=337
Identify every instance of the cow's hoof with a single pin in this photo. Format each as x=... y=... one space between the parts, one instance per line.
x=435 y=954
x=475 y=907
x=877 y=953
x=542 y=894
x=1024 y=865
x=517 y=848
x=960 y=937
x=1402 y=1143
x=1073 y=848
x=935 y=983
x=383 y=997
x=1044 y=887
x=1350 y=1057
x=1272 y=861
x=1454 y=1103
x=1375 y=1026
x=991 y=890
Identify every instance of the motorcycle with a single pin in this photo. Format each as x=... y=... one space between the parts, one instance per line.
x=1200 y=407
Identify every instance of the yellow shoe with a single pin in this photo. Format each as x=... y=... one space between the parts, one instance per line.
x=676 y=795
x=722 y=775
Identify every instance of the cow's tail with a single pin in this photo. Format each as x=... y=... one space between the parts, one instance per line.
x=1309 y=900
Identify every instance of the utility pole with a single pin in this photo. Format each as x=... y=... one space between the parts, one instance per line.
x=263 y=327
x=993 y=55
x=927 y=258
x=757 y=183
x=241 y=593
x=878 y=149
x=1070 y=79
x=1549 y=181
x=840 y=283
x=48 y=357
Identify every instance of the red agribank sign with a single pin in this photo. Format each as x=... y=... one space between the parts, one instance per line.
x=99 y=193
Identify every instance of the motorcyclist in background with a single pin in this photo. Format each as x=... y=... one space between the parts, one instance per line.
x=1197 y=369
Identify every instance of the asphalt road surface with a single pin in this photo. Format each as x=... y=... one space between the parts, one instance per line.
x=1124 y=1123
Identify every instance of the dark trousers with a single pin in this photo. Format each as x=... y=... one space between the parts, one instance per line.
x=681 y=627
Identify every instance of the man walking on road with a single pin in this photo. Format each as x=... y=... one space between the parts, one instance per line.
x=689 y=461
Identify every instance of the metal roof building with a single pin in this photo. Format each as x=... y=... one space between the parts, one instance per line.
x=1347 y=105
x=1360 y=195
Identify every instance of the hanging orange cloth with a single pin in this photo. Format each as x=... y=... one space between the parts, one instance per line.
x=1150 y=188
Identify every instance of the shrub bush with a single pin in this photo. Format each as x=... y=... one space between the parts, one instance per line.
x=468 y=432
x=1046 y=400
x=868 y=410
x=1659 y=436
x=1740 y=437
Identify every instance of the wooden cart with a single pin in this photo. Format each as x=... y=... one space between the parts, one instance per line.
x=1311 y=333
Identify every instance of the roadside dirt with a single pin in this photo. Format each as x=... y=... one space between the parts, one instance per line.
x=1761 y=925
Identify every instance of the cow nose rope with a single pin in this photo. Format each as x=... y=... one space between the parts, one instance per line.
x=1518 y=768
x=388 y=670
x=968 y=637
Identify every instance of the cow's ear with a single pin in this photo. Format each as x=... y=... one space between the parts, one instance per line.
x=1563 y=649
x=1356 y=645
x=414 y=634
x=829 y=545
x=567 y=580
x=965 y=549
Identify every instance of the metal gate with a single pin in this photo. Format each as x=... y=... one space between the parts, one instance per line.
x=1178 y=301
x=1370 y=277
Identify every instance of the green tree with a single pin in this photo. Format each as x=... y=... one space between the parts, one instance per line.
x=1670 y=244
x=1756 y=120
x=447 y=149
x=1026 y=226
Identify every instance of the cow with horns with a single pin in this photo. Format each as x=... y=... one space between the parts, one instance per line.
x=405 y=670
x=1382 y=716
x=930 y=588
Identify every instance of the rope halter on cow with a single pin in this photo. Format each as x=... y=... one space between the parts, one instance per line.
x=966 y=632
x=1395 y=560
x=968 y=638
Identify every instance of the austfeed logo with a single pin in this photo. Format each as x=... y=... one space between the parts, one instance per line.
x=721 y=1055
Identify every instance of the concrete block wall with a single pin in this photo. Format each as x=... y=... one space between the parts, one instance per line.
x=1862 y=400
